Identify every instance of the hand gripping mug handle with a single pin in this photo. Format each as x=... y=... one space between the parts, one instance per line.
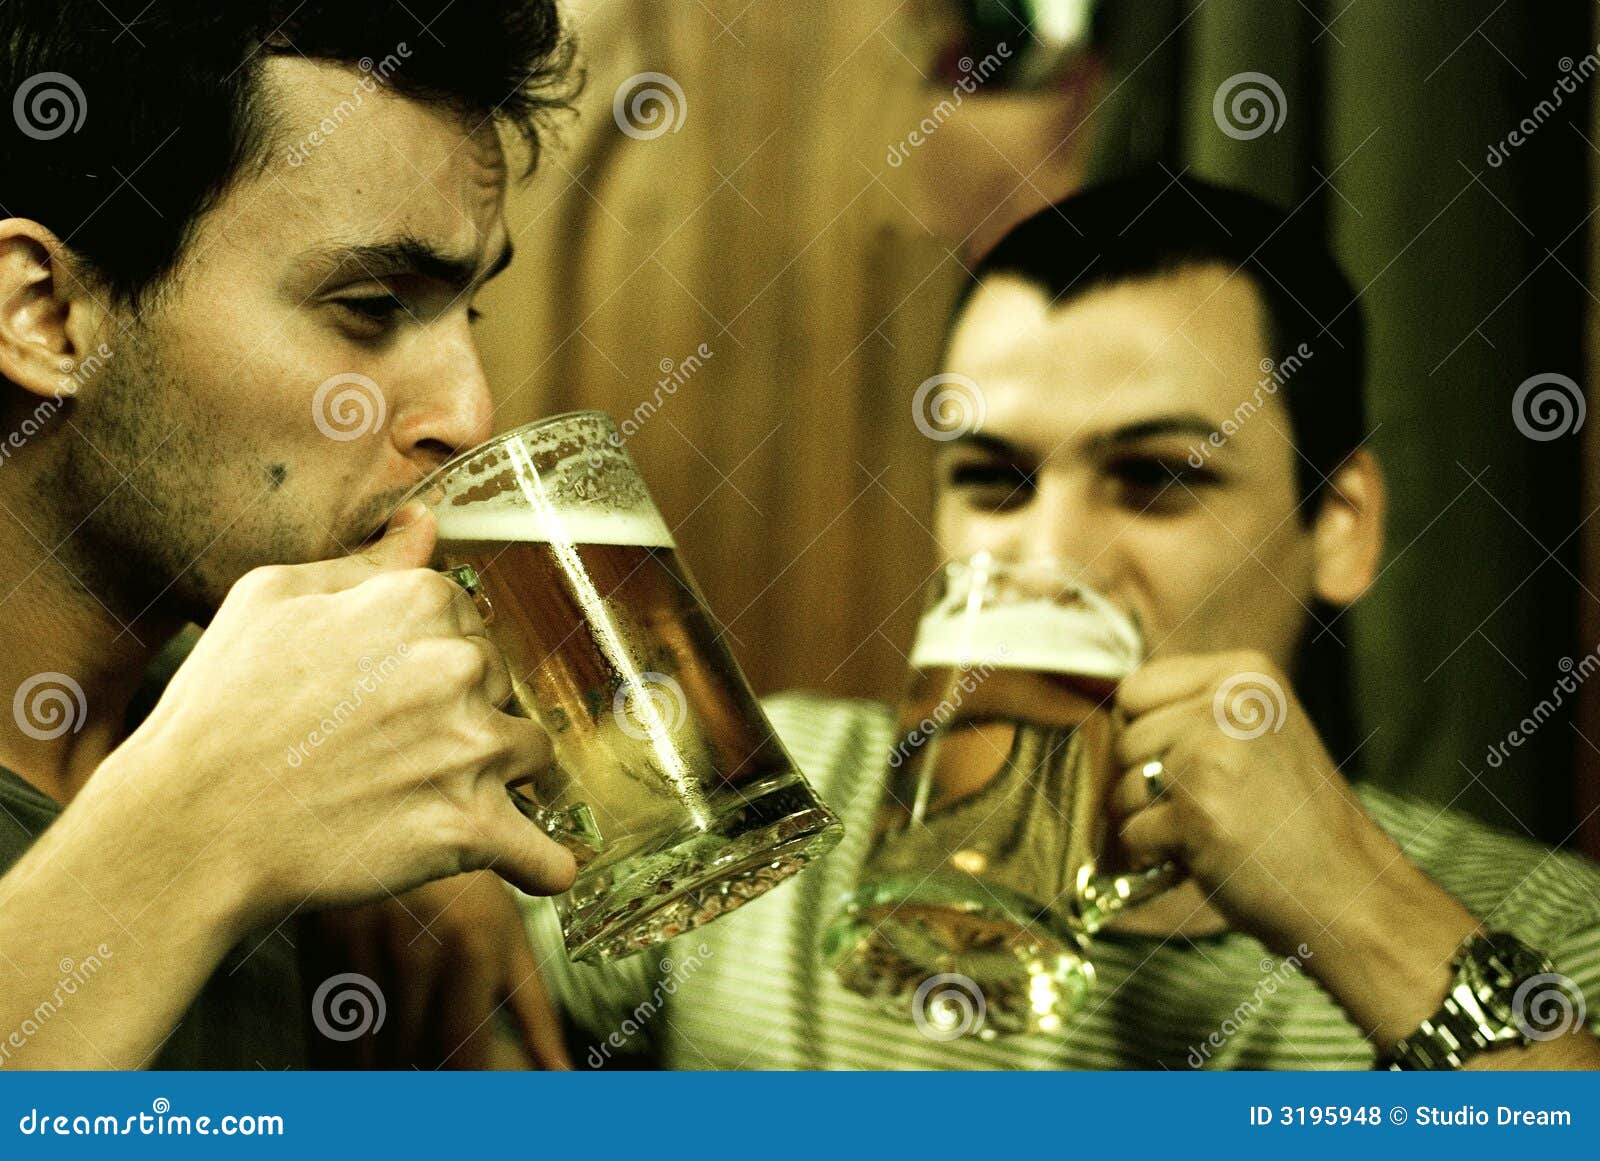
x=1103 y=896
x=574 y=827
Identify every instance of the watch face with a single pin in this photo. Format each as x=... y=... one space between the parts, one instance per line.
x=1498 y=963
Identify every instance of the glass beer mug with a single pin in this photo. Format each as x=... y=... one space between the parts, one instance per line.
x=991 y=858
x=669 y=785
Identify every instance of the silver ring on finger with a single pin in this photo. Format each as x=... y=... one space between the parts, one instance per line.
x=1155 y=781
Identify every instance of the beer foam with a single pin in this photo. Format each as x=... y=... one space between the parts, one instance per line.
x=1093 y=640
x=509 y=521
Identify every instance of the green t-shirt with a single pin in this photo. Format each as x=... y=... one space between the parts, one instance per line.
x=249 y=1015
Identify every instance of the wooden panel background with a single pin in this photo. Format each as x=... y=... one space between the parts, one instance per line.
x=770 y=230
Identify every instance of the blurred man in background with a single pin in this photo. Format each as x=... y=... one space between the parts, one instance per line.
x=1171 y=380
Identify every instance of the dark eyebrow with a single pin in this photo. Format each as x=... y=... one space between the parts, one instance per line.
x=1184 y=423
x=403 y=255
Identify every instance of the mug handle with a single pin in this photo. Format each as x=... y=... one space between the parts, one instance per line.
x=1101 y=896
x=574 y=827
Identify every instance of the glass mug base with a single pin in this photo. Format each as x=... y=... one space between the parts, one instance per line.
x=896 y=937
x=752 y=843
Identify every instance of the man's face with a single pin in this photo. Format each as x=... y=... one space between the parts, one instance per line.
x=1091 y=412
x=204 y=448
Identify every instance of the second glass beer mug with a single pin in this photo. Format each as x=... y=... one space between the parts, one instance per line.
x=991 y=858
x=669 y=785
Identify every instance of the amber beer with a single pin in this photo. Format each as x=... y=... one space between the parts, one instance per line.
x=992 y=860
x=668 y=783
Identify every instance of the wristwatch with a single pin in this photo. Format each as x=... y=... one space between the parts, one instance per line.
x=1479 y=1012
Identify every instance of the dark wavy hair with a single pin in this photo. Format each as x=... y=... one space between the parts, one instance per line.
x=129 y=121
x=1150 y=223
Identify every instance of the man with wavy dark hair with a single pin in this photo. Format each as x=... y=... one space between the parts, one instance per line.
x=239 y=244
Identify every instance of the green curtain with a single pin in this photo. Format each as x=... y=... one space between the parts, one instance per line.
x=1471 y=274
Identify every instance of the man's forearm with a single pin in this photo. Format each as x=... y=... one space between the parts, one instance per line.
x=109 y=927
x=1388 y=964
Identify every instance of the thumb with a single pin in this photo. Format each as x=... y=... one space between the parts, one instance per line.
x=526 y=857
x=407 y=542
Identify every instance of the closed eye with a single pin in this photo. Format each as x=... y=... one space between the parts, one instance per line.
x=379 y=308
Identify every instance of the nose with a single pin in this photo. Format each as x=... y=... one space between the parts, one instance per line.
x=442 y=404
x=1062 y=523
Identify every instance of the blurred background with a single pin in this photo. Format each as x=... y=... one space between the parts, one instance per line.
x=746 y=245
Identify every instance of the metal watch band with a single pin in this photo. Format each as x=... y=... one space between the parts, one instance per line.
x=1444 y=1041
x=1477 y=1011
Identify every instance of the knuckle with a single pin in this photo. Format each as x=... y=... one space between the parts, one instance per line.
x=478 y=741
x=1254 y=661
x=265 y=582
x=462 y=664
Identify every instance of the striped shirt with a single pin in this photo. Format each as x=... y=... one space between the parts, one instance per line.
x=750 y=990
